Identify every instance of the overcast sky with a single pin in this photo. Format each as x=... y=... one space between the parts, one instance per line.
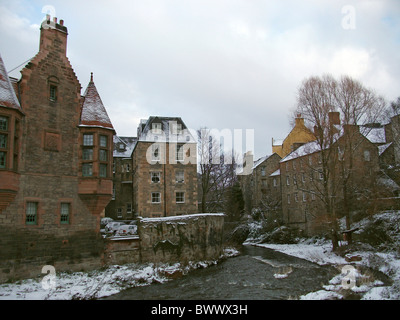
x=223 y=64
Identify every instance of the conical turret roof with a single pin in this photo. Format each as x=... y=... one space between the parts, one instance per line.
x=93 y=112
x=8 y=97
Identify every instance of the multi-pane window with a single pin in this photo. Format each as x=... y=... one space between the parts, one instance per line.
x=155 y=177
x=3 y=123
x=88 y=139
x=53 y=93
x=103 y=141
x=179 y=152
x=180 y=176
x=3 y=141
x=87 y=169
x=87 y=154
x=31 y=213
x=65 y=213
x=103 y=155
x=119 y=213
x=155 y=197
x=129 y=209
x=180 y=197
x=263 y=172
x=103 y=170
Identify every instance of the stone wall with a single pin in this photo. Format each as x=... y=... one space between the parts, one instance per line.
x=181 y=238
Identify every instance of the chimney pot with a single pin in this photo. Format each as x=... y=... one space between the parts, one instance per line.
x=47 y=17
x=55 y=20
x=62 y=22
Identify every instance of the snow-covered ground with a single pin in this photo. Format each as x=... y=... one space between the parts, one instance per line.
x=98 y=283
x=385 y=259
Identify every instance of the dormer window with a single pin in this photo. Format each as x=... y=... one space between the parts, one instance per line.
x=156 y=128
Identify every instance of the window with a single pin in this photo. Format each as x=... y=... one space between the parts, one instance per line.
x=87 y=154
x=3 y=141
x=287 y=180
x=263 y=173
x=88 y=139
x=156 y=128
x=275 y=182
x=87 y=169
x=31 y=212
x=180 y=197
x=103 y=170
x=155 y=152
x=119 y=213
x=321 y=175
x=304 y=197
x=179 y=152
x=2 y=159
x=155 y=177
x=53 y=93
x=103 y=141
x=296 y=198
x=129 y=208
x=303 y=177
x=310 y=160
x=102 y=155
x=288 y=198
x=113 y=192
x=294 y=179
x=65 y=208
x=3 y=123
x=177 y=128
x=155 y=197
x=180 y=176
x=367 y=155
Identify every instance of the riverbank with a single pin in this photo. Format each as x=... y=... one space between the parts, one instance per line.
x=100 y=283
x=375 y=251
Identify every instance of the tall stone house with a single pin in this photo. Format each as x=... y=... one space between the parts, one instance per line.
x=55 y=163
x=156 y=172
x=261 y=188
x=302 y=176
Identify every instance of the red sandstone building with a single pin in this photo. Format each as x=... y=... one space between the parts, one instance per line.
x=56 y=151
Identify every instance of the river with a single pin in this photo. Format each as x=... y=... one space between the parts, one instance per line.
x=256 y=274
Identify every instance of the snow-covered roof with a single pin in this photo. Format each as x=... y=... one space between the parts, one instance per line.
x=8 y=97
x=127 y=144
x=167 y=132
x=375 y=135
x=382 y=148
x=259 y=161
x=303 y=150
x=275 y=173
x=93 y=112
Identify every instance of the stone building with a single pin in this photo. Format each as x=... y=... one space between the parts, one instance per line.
x=55 y=164
x=121 y=204
x=261 y=188
x=164 y=164
x=352 y=179
x=155 y=173
x=299 y=135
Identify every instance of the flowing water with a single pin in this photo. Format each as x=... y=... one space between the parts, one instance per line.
x=258 y=273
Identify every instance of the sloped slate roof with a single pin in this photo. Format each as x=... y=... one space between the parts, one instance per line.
x=8 y=97
x=93 y=112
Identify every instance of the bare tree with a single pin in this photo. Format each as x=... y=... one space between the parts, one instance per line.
x=318 y=98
